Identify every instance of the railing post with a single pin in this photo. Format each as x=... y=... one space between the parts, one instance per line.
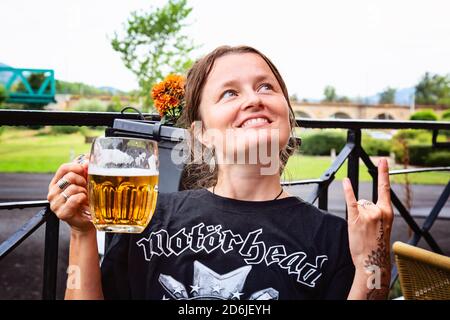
x=323 y=198
x=354 y=136
x=50 y=256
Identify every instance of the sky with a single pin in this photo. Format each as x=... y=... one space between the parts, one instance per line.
x=358 y=46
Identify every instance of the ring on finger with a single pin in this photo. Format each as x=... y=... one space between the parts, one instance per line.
x=363 y=203
x=63 y=183
x=65 y=195
x=80 y=159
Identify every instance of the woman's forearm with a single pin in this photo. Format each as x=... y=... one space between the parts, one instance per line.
x=370 y=284
x=84 y=278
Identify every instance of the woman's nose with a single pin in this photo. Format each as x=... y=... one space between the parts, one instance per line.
x=251 y=100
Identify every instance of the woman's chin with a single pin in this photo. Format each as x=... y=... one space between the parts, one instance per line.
x=256 y=148
x=254 y=145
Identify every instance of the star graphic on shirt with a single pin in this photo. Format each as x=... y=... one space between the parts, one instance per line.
x=216 y=288
x=195 y=288
x=236 y=295
x=208 y=284
x=178 y=289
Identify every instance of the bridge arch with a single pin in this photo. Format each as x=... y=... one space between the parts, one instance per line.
x=340 y=115
x=301 y=114
x=384 y=116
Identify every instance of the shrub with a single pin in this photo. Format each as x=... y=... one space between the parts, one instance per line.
x=417 y=154
x=3 y=94
x=419 y=146
x=115 y=105
x=424 y=155
x=425 y=114
x=322 y=142
x=413 y=136
x=112 y=107
x=92 y=105
x=446 y=115
x=438 y=159
x=376 y=147
x=63 y=129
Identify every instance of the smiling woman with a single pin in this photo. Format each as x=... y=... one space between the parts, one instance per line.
x=235 y=233
x=232 y=89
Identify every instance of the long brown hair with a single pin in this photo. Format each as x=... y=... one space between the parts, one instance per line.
x=198 y=174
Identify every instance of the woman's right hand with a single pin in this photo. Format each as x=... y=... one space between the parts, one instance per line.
x=70 y=201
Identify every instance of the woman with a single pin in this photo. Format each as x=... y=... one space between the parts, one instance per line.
x=237 y=234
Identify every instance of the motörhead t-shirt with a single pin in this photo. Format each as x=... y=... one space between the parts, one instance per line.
x=199 y=245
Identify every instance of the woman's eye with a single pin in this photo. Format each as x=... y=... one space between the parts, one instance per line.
x=228 y=94
x=265 y=87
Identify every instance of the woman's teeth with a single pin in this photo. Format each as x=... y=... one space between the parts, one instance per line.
x=254 y=121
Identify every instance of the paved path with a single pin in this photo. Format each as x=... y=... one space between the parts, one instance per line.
x=21 y=271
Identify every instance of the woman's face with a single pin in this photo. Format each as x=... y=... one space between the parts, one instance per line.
x=243 y=103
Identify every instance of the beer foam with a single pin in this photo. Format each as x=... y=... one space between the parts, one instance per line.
x=113 y=156
x=124 y=172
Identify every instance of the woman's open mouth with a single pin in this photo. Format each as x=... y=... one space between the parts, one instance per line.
x=255 y=123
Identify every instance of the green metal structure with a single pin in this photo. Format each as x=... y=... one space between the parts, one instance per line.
x=13 y=77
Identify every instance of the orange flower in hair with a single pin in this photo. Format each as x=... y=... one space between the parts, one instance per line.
x=168 y=96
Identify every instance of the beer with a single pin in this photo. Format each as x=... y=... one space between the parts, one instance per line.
x=122 y=200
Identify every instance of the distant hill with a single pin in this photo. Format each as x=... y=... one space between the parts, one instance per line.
x=403 y=96
x=66 y=87
x=111 y=90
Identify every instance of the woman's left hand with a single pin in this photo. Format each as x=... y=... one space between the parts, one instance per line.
x=369 y=229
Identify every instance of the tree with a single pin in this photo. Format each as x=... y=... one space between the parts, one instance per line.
x=388 y=96
x=154 y=45
x=330 y=94
x=433 y=89
x=92 y=105
x=35 y=81
x=79 y=88
x=344 y=99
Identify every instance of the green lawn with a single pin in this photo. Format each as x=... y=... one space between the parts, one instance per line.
x=308 y=167
x=33 y=151
x=29 y=151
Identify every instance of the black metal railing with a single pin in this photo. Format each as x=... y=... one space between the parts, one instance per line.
x=352 y=151
x=48 y=118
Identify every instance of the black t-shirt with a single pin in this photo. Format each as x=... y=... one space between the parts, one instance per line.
x=199 y=245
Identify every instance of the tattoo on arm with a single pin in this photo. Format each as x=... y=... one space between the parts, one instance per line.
x=381 y=260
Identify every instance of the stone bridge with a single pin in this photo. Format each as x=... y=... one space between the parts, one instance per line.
x=326 y=110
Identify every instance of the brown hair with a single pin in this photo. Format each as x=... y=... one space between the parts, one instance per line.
x=197 y=174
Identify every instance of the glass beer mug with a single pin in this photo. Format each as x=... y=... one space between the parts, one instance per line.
x=122 y=183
